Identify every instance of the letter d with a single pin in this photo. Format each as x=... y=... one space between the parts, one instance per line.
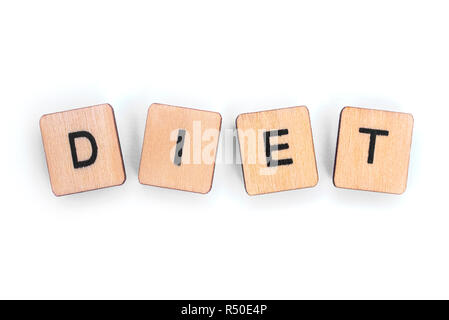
x=84 y=163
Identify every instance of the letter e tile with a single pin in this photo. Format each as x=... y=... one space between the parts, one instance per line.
x=277 y=150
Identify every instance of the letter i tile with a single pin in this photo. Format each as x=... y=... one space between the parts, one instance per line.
x=373 y=150
x=179 y=148
x=277 y=150
x=82 y=149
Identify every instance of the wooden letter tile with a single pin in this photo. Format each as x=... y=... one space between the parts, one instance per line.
x=179 y=148
x=277 y=150
x=373 y=150
x=82 y=149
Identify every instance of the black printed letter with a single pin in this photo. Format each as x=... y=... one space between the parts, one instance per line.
x=372 y=140
x=82 y=134
x=179 y=146
x=276 y=147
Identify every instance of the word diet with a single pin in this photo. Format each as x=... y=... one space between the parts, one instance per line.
x=180 y=145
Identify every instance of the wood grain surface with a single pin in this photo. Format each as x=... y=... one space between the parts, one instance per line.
x=106 y=171
x=258 y=176
x=196 y=169
x=387 y=170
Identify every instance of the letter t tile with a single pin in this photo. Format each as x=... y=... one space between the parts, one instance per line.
x=373 y=150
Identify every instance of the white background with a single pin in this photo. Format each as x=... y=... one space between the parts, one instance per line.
x=136 y=241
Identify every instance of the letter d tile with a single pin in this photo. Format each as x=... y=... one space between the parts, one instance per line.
x=82 y=149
